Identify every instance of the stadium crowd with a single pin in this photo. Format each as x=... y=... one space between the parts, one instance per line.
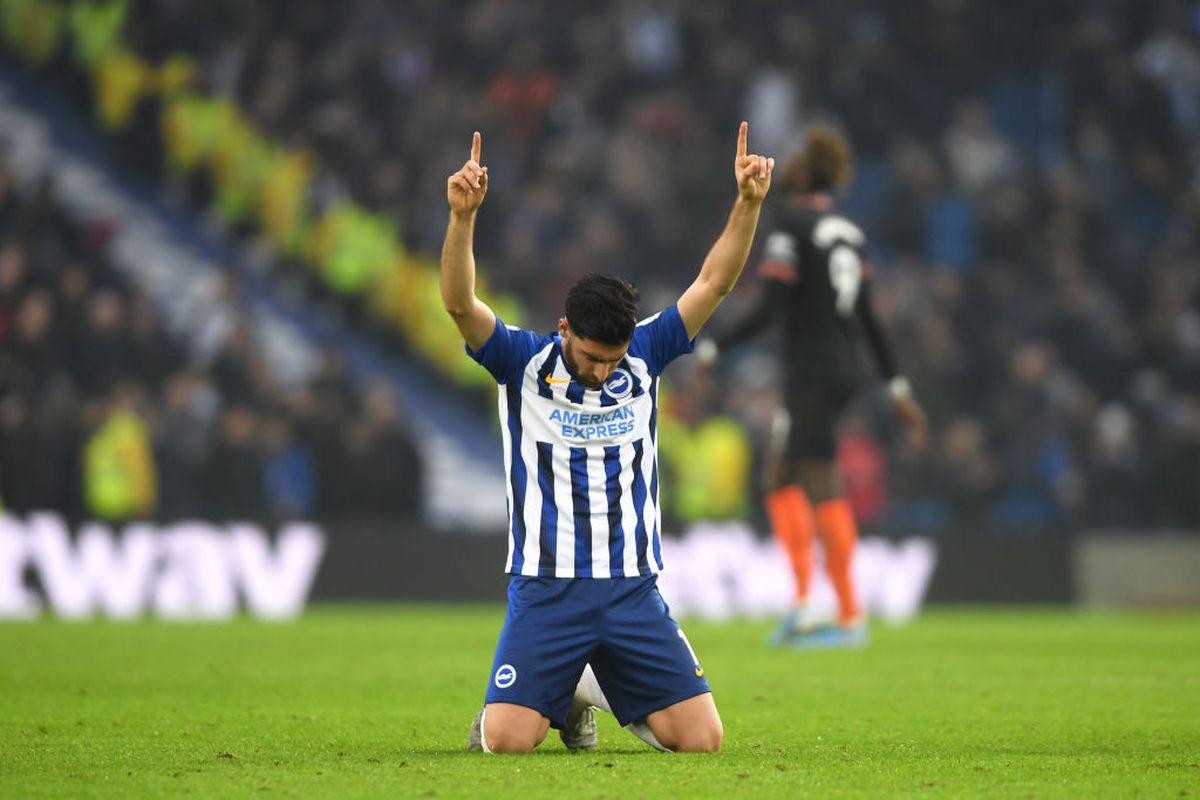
x=105 y=414
x=1028 y=176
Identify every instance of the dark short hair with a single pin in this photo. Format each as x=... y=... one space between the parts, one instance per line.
x=602 y=308
x=825 y=163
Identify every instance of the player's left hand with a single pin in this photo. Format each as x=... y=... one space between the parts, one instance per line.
x=466 y=188
x=753 y=172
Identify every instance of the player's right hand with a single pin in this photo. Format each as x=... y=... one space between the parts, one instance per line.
x=465 y=189
x=753 y=173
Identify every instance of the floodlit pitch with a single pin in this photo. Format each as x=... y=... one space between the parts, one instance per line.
x=373 y=702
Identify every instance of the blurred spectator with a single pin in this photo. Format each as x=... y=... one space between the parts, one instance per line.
x=120 y=481
x=861 y=462
x=103 y=414
x=964 y=464
x=289 y=478
x=104 y=353
x=979 y=156
x=1117 y=476
x=384 y=474
x=234 y=470
x=184 y=425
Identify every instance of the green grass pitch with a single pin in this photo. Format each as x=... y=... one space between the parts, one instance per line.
x=375 y=702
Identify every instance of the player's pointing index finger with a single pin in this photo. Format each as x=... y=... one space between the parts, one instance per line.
x=741 y=146
x=476 y=144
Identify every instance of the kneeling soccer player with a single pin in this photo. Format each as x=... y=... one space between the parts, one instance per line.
x=578 y=411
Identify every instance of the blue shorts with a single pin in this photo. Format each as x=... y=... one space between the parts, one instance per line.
x=622 y=626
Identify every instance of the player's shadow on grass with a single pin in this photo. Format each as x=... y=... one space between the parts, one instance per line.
x=552 y=751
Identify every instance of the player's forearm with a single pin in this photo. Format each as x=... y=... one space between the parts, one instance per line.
x=728 y=255
x=721 y=267
x=458 y=265
x=885 y=360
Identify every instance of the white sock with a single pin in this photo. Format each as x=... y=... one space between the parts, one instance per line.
x=642 y=731
x=483 y=732
x=588 y=691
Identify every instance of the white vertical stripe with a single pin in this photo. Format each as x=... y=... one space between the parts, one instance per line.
x=533 y=494
x=654 y=518
x=502 y=399
x=645 y=515
x=598 y=504
x=649 y=511
x=629 y=517
x=564 y=502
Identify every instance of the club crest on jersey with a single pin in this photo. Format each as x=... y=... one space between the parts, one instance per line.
x=619 y=385
x=506 y=676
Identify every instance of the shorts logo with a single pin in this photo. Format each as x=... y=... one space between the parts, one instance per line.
x=506 y=676
x=619 y=385
x=699 y=670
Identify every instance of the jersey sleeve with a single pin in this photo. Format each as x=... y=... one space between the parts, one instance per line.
x=781 y=258
x=885 y=359
x=507 y=351
x=660 y=339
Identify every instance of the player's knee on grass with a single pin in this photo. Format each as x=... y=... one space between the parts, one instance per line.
x=703 y=738
x=511 y=740
x=513 y=729
x=692 y=726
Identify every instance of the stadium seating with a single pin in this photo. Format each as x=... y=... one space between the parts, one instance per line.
x=1032 y=213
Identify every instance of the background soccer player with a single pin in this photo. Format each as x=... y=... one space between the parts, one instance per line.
x=578 y=415
x=817 y=286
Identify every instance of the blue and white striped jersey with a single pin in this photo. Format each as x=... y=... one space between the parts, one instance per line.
x=582 y=464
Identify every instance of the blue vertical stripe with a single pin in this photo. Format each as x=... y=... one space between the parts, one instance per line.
x=516 y=476
x=549 y=534
x=583 y=513
x=575 y=391
x=638 y=391
x=654 y=410
x=612 y=490
x=545 y=371
x=639 y=502
x=644 y=566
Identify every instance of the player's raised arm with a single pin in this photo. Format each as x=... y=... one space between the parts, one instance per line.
x=465 y=190
x=728 y=255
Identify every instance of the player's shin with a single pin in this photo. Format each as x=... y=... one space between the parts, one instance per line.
x=792 y=524
x=839 y=533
